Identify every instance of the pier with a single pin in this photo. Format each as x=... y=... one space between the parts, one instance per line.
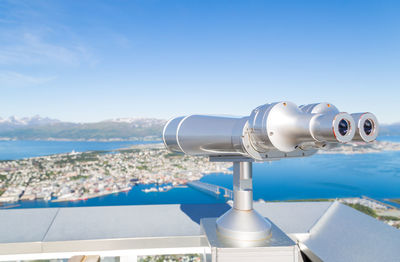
x=210 y=188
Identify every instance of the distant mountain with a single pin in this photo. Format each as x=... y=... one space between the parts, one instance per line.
x=44 y=128
x=14 y=122
x=390 y=130
x=39 y=128
x=137 y=122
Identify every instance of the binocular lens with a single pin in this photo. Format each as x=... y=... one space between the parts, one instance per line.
x=368 y=127
x=343 y=127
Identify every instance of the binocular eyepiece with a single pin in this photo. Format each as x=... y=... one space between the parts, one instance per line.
x=272 y=131
x=366 y=124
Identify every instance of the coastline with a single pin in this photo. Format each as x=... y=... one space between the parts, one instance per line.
x=138 y=139
x=73 y=199
x=382 y=145
x=361 y=148
x=69 y=177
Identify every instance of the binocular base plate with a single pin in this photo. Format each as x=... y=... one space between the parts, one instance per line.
x=278 y=247
x=243 y=225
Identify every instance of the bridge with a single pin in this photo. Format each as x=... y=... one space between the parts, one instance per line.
x=210 y=188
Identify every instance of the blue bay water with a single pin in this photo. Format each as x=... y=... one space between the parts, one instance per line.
x=324 y=176
x=376 y=175
x=389 y=138
x=12 y=150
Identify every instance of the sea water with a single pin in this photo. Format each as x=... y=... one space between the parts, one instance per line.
x=375 y=175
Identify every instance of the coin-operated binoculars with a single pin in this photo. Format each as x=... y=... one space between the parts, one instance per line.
x=271 y=132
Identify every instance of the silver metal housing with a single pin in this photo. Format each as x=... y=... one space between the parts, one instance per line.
x=319 y=108
x=360 y=120
x=272 y=131
x=169 y=134
x=325 y=127
x=362 y=133
x=285 y=126
x=205 y=135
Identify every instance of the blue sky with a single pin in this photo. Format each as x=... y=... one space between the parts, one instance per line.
x=94 y=60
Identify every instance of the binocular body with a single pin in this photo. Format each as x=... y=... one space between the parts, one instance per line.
x=271 y=131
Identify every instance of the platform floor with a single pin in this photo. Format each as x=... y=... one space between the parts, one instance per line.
x=328 y=231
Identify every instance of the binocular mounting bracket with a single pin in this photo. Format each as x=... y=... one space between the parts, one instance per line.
x=242 y=223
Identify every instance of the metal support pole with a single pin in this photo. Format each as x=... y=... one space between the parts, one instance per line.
x=242 y=223
x=242 y=186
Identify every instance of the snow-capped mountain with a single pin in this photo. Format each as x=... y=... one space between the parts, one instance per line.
x=137 y=122
x=44 y=128
x=27 y=121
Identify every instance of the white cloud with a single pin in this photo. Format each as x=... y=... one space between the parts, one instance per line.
x=30 y=34
x=28 y=49
x=10 y=79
